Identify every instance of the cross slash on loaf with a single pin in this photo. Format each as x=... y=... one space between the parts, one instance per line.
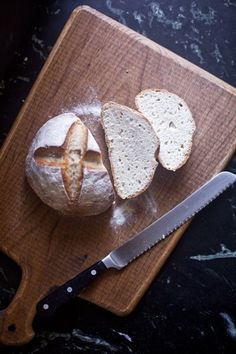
x=64 y=167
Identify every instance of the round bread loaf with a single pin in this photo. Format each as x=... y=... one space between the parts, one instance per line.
x=65 y=169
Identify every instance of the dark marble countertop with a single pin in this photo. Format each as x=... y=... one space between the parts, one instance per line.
x=191 y=305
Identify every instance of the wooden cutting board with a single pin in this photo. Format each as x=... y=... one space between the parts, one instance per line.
x=96 y=60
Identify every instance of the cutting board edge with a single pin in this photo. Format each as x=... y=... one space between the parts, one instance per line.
x=127 y=310
x=146 y=41
x=183 y=62
x=37 y=81
x=157 y=47
x=177 y=235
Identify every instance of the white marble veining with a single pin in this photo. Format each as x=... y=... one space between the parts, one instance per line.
x=208 y=18
x=229 y=3
x=38 y=41
x=2 y=87
x=230 y=326
x=139 y=17
x=125 y=335
x=197 y=51
x=38 y=45
x=216 y=53
x=40 y=52
x=52 y=12
x=156 y=13
x=224 y=253
x=23 y=78
x=76 y=339
x=3 y=274
x=111 y=5
x=190 y=29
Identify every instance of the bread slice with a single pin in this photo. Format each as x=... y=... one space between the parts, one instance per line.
x=132 y=145
x=173 y=123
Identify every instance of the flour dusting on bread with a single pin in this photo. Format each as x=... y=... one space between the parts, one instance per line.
x=64 y=166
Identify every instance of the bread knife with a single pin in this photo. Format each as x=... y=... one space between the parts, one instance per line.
x=137 y=245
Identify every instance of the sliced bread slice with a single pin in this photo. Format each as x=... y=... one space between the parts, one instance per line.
x=132 y=146
x=173 y=123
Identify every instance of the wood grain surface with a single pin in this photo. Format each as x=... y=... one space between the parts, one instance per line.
x=96 y=60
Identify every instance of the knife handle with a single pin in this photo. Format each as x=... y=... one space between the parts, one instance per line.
x=69 y=290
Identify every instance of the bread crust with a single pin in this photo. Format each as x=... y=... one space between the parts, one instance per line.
x=188 y=152
x=109 y=105
x=48 y=180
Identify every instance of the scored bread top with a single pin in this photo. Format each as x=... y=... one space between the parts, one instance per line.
x=132 y=145
x=61 y=166
x=44 y=162
x=173 y=123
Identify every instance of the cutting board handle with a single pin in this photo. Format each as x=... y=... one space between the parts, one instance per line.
x=16 y=320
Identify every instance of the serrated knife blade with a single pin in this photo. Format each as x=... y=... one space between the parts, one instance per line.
x=169 y=222
x=140 y=243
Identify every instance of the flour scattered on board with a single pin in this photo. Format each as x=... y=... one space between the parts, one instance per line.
x=122 y=212
x=125 y=211
x=89 y=107
x=150 y=203
x=93 y=108
x=118 y=217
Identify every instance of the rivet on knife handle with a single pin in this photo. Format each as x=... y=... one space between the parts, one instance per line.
x=69 y=290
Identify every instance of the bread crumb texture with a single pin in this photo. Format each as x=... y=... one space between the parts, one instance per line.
x=132 y=144
x=173 y=123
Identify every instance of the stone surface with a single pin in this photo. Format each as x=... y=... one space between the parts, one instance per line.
x=191 y=306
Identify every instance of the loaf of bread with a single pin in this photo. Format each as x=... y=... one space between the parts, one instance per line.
x=173 y=123
x=132 y=147
x=64 y=167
